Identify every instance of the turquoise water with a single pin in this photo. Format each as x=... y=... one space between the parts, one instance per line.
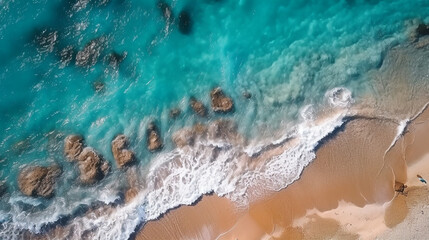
x=287 y=54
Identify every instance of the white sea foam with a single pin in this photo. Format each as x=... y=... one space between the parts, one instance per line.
x=339 y=97
x=183 y=175
x=400 y=130
x=307 y=113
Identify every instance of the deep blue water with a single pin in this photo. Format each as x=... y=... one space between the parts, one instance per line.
x=287 y=54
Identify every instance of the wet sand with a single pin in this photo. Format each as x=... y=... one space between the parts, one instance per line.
x=346 y=192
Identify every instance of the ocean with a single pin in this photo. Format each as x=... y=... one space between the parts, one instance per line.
x=99 y=68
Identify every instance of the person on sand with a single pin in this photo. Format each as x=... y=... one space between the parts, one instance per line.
x=421 y=179
x=400 y=188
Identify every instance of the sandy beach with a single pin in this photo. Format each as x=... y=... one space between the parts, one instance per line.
x=347 y=192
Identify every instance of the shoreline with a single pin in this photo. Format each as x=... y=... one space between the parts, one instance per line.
x=358 y=158
x=294 y=213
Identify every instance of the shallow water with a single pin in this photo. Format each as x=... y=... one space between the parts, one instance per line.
x=289 y=56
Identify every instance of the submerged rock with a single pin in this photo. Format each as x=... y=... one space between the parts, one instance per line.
x=200 y=129
x=166 y=11
x=154 y=141
x=174 y=113
x=185 y=22
x=91 y=166
x=3 y=189
x=22 y=146
x=88 y=56
x=247 y=95
x=73 y=146
x=220 y=102
x=102 y=3
x=122 y=155
x=184 y=137
x=114 y=59
x=198 y=107
x=222 y=128
x=38 y=181
x=422 y=30
x=98 y=86
x=46 y=40
x=66 y=55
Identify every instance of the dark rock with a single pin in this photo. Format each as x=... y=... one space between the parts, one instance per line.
x=185 y=22
x=88 y=56
x=198 y=107
x=98 y=86
x=66 y=55
x=114 y=59
x=166 y=11
x=73 y=146
x=22 y=146
x=220 y=102
x=91 y=166
x=120 y=151
x=46 y=40
x=38 y=181
x=154 y=141
x=422 y=30
x=102 y=3
x=247 y=95
x=3 y=188
x=174 y=113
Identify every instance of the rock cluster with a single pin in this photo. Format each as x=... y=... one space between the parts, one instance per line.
x=121 y=153
x=91 y=165
x=36 y=181
x=40 y=181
